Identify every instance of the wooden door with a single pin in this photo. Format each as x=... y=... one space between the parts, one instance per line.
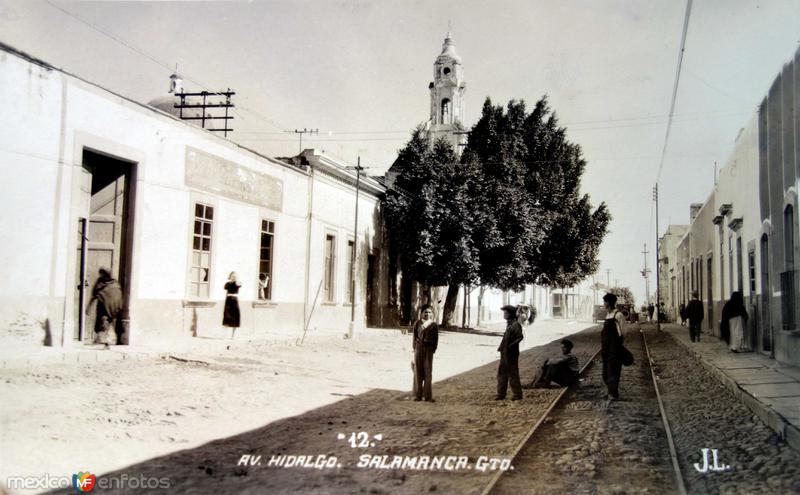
x=104 y=239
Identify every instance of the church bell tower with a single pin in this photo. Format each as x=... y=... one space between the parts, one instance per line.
x=447 y=96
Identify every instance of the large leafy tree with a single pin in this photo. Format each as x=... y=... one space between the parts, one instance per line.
x=509 y=214
x=538 y=227
x=506 y=229
x=428 y=214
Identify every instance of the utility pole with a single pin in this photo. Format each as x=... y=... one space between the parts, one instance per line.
x=645 y=274
x=608 y=278
x=351 y=329
x=658 y=265
x=304 y=131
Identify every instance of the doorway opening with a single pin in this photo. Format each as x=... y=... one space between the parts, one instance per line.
x=104 y=240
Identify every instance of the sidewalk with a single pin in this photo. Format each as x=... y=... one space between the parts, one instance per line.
x=30 y=357
x=770 y=389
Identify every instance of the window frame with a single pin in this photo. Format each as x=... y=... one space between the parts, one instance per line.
x=349 y=291
x=329 y=267
x=206 y=202
x=269 y=296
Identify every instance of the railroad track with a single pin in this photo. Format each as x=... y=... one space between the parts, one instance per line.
x=585 y=441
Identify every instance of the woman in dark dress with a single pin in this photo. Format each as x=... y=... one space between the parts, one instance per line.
x=230 y=316
x=731 y=329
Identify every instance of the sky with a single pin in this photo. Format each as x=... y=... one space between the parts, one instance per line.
x=358 y=71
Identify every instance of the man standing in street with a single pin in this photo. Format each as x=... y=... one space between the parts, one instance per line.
x=509 y=356
x=650 y=310
x=694 y=311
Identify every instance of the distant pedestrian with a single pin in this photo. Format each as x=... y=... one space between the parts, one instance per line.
x=734 y=320
x=694 y=311
x=426 y=340
x=231 y=316
x=611 y=338
x=562 y=370
x=662 y=313
x=682 y=313
x=508 y=371
x=108 y=294
x=650 y=310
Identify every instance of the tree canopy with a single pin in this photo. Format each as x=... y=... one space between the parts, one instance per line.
x=509 y=212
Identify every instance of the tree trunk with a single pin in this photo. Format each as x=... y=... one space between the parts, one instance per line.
x=464 y=322
x=480 y=304
x=449 y=305
x=406 y=307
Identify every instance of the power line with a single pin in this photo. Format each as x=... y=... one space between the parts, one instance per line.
x=675 y=90
x=155 y=60
x=687 y=117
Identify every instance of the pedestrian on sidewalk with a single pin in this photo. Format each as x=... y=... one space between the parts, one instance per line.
x=662 y=313
x=650 y=310
x=426 y=339
x=682 y=313
x=108 y=294
x=734 y=319
x=230 y=314
x=508 y=371
x=611 y=346
x=694 y=311
x=562 y=370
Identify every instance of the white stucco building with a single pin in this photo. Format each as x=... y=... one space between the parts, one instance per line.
x=90 y=179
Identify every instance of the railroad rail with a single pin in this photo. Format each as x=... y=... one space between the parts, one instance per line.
x=496 y=477
x=680 y=484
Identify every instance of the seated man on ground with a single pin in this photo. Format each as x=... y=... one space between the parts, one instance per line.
x=562 y=370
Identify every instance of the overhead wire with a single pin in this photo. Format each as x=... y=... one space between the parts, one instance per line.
x=159 y=62
x=675 y=87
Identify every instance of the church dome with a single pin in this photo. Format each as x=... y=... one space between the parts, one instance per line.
x=165 y=104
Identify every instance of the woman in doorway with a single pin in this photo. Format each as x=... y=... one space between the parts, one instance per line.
x=230 y=315
x=734 y=319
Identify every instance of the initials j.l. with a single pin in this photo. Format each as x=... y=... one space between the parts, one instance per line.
x=706 y=467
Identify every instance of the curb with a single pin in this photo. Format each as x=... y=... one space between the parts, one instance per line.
x=770 y=417
x=72 y=358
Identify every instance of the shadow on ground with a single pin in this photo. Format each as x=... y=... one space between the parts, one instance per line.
x=464 y=421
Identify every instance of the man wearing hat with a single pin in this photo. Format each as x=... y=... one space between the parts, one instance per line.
x=694 y=311
x=509 y=356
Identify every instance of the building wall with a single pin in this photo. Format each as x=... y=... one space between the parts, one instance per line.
x=669 y=275
x=41 y=185
x=754 y=190
x=737 y=187
x=778 y=183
